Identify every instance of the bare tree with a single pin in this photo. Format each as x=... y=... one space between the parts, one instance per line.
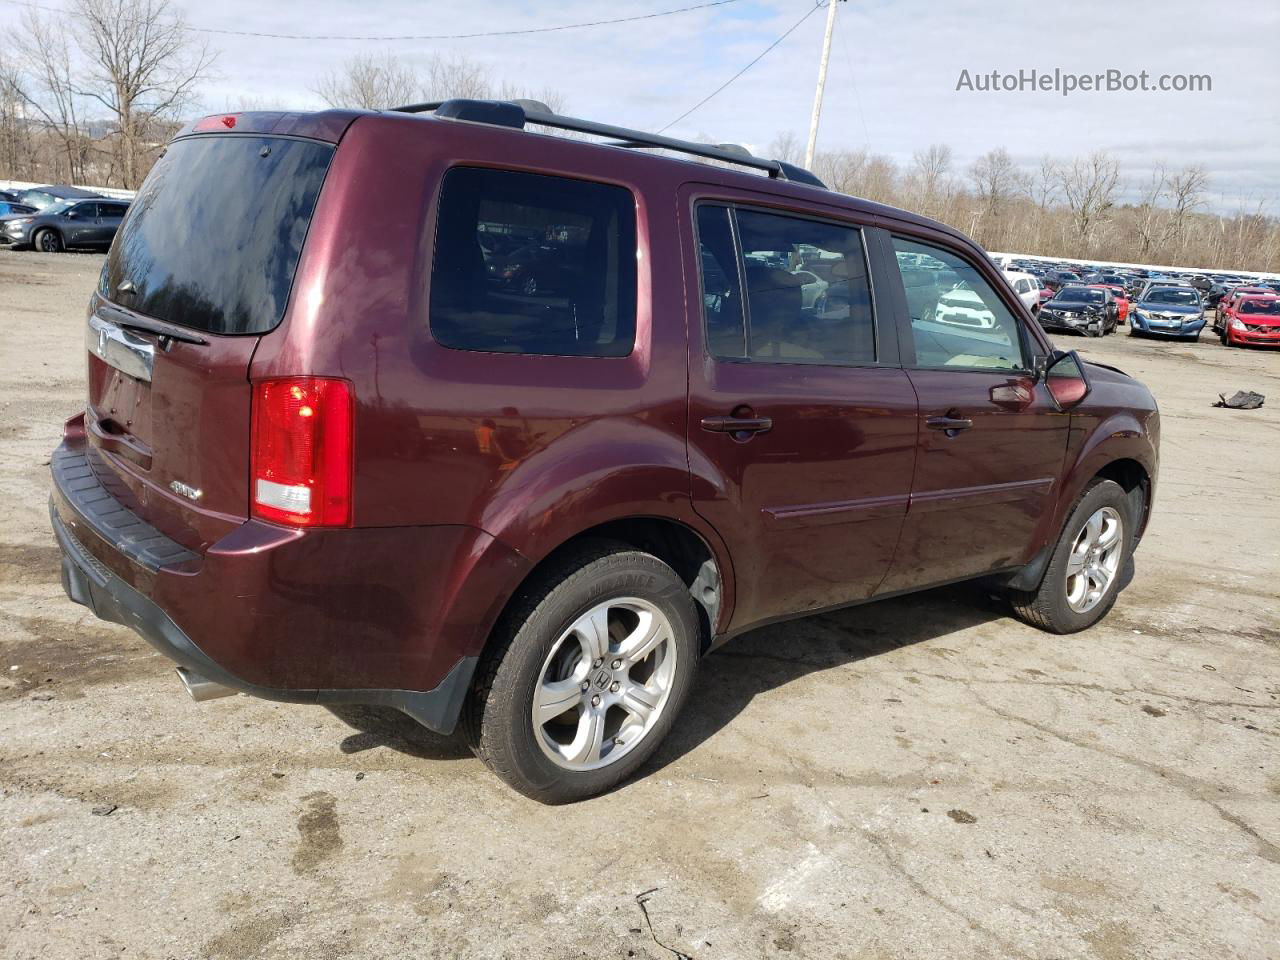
x=931 y=165
x=53 y=96
x=1186 y=190
x=786 y=147
x=143 y=67
x=1149 y=222
x=997 y=181
x=1089 y=187
x=15 y=139
x=370 y=82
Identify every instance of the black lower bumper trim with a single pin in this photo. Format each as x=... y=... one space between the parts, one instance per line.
x=90 y=583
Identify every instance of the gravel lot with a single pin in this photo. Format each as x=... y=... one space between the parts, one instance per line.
x=923 y=777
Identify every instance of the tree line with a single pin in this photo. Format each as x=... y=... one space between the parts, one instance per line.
x=1066 y=207
x=95 y=105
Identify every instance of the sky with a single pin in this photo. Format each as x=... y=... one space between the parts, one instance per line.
x=891 y=87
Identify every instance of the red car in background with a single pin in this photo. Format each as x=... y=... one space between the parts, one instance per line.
x=1255 y=319
x=1227 y=306
x=1122 y=300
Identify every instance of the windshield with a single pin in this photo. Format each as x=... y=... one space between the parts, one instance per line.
x=59 y=207
x=1175 y=295
x=213 y=239
x=1265 y=308
x=1081 y=295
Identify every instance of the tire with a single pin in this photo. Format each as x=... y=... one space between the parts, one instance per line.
x=539 y=637
x=1051 y=606
x=47 y=241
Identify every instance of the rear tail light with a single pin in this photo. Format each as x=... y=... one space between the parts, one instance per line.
x=302 y=446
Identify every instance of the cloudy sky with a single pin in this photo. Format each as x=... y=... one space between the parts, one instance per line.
x=892 y=81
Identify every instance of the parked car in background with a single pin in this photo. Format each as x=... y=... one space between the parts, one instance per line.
x=1227 y=305
x=67 y=224
x=1168 y=311
x=1213 y=296
x=404 y=484
x=1027 y=287
x=41 y=197
x=1118 y=296
x=1057 y=279
x=13 y=207
x=964 y=307
x=1255 y=320
x=1087 y=310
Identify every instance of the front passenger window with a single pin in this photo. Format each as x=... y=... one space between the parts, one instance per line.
x=957 y=320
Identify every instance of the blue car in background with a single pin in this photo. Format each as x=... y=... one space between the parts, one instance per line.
x=1168 y=312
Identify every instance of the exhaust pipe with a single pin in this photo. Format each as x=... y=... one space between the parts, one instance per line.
x=202 y=688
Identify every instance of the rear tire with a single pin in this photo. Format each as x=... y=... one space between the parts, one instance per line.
x=47 y=241
x=570 y=641
x=1095 y=545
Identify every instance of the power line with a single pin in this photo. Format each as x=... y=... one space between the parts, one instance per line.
x=423 y=36
x=814 y=9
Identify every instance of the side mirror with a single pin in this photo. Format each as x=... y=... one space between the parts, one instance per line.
x=1067 y=380
x=72 y=215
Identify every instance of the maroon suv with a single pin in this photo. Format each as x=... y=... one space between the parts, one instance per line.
x=427 y=410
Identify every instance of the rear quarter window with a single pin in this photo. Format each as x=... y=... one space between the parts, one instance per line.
x=533 y=264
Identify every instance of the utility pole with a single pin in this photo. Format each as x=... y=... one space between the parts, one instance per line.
x=822 y=82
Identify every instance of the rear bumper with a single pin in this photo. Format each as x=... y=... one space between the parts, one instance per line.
x=388 y=616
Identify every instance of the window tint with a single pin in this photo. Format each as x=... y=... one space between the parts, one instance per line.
x=217 y=229
x=957 y=320
x=721 y=291
x=807 y=292
x=527 y=263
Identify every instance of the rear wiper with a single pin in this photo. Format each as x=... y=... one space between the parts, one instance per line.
x=131 y=321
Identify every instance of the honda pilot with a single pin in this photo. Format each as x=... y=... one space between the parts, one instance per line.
x=342 y=445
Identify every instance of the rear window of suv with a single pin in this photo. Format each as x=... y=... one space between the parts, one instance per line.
x=534 y=264
x=213 y=237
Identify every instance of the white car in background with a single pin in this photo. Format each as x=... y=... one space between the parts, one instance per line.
x=964 y=308
x=1027 y=287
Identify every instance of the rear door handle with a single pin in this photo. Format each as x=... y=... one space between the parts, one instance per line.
x=737 y=424
x=952 y=425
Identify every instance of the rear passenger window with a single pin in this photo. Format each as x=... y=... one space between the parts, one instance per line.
x=526 y=263
x=808 y=298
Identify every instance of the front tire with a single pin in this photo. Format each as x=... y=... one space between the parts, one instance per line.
x=1082 y=581
x=585 y=675
x=47 y=241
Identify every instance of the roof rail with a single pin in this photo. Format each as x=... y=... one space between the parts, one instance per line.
x=517 y=113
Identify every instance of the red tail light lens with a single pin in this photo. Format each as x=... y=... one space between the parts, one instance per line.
x=302 y=444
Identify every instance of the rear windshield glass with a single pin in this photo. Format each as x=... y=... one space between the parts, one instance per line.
x=213 y=238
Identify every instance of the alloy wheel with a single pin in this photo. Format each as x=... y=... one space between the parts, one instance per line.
x=1094 y=560
x=604 y=684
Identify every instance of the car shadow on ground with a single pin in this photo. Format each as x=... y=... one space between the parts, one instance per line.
x=731 y=677
x=772 y=657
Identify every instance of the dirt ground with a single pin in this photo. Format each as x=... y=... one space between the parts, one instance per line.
x=923 y=777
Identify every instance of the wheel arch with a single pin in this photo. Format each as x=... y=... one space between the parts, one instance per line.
x=697 y=557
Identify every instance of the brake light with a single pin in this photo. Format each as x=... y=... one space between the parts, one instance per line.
x=302 y=447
